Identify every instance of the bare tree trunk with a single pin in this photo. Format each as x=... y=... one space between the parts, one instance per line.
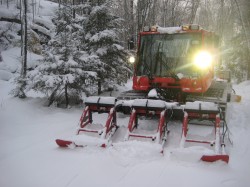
x=33 y=9
x=53 y=95
x=25 y=37
x=1 y=58
x=73 y=12
x=66 y=95
x=195 y=5
x=21 y=9
x=173 y=14
x=143 y=9
x=22 y=80
x=99 y=87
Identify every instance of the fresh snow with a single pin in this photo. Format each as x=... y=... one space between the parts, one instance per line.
x=8 y=13
x=5 y=75
x=149 y=103
x=152 y=93
x=12 y=60
x=30 y=155
x=200 y=105
x=169 y=30
x=101 y=100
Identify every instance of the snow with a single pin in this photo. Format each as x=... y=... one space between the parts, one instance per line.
x=5 y=75
x=12 y=61
x=169 y=30
x=8 y=13
x=152 y=93
x=101 y=100
x=101 y=35
x=46 y=9
x=180 y=75
x=200 y=105
x=45 y=22
x=40 y=29
x=190 y=154
x=86 y=140
x=149 y=103
x=29 y=154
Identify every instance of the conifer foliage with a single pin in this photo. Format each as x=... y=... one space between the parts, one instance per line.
x=84 y=55
x=60 y=75
x=103 y=45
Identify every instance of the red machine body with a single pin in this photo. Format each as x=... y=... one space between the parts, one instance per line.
x=165 y=60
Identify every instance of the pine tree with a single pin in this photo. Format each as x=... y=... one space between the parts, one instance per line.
x=103 y=45
x=61 y=75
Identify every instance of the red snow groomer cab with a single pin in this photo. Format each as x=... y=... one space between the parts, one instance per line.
x=176 y=60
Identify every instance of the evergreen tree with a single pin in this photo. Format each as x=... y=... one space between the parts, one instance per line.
x=61 y=75
x=103 y=45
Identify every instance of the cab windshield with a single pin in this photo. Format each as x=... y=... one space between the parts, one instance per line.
x=164 y=55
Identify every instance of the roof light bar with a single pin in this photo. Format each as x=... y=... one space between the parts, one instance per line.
x=150 y=29
x=146 y=29
x=154 y=29
x=191 y=27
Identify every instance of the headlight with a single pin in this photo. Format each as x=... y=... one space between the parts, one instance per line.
x=203 y=60
x=131 y=59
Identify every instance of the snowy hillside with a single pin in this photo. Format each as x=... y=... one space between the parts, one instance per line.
x=10 y=46
x=30 y=157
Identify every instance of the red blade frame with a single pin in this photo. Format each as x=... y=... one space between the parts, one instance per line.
x=213 y=158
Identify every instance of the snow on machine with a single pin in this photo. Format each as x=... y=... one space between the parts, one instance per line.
x=174 y=78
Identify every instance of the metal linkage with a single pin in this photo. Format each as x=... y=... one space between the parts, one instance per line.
x=94 y=104
x=145 y=108
x=211 y=114
x=87 y=118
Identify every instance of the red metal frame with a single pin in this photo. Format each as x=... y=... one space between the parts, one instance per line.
x=133 y=120
x=219 y=152
x=86 y=118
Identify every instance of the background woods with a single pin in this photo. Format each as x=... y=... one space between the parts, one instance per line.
x=85 y=44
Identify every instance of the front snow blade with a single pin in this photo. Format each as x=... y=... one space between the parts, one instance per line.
x=66 y=143
x=213 y=158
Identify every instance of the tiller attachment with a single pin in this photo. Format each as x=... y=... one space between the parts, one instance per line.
x=104 y=133
x=200 y=111
x=147 y=107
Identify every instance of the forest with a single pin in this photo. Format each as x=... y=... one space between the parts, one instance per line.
x=85 y=45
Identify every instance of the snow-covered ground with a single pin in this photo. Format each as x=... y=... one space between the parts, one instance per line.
x=30 y=157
